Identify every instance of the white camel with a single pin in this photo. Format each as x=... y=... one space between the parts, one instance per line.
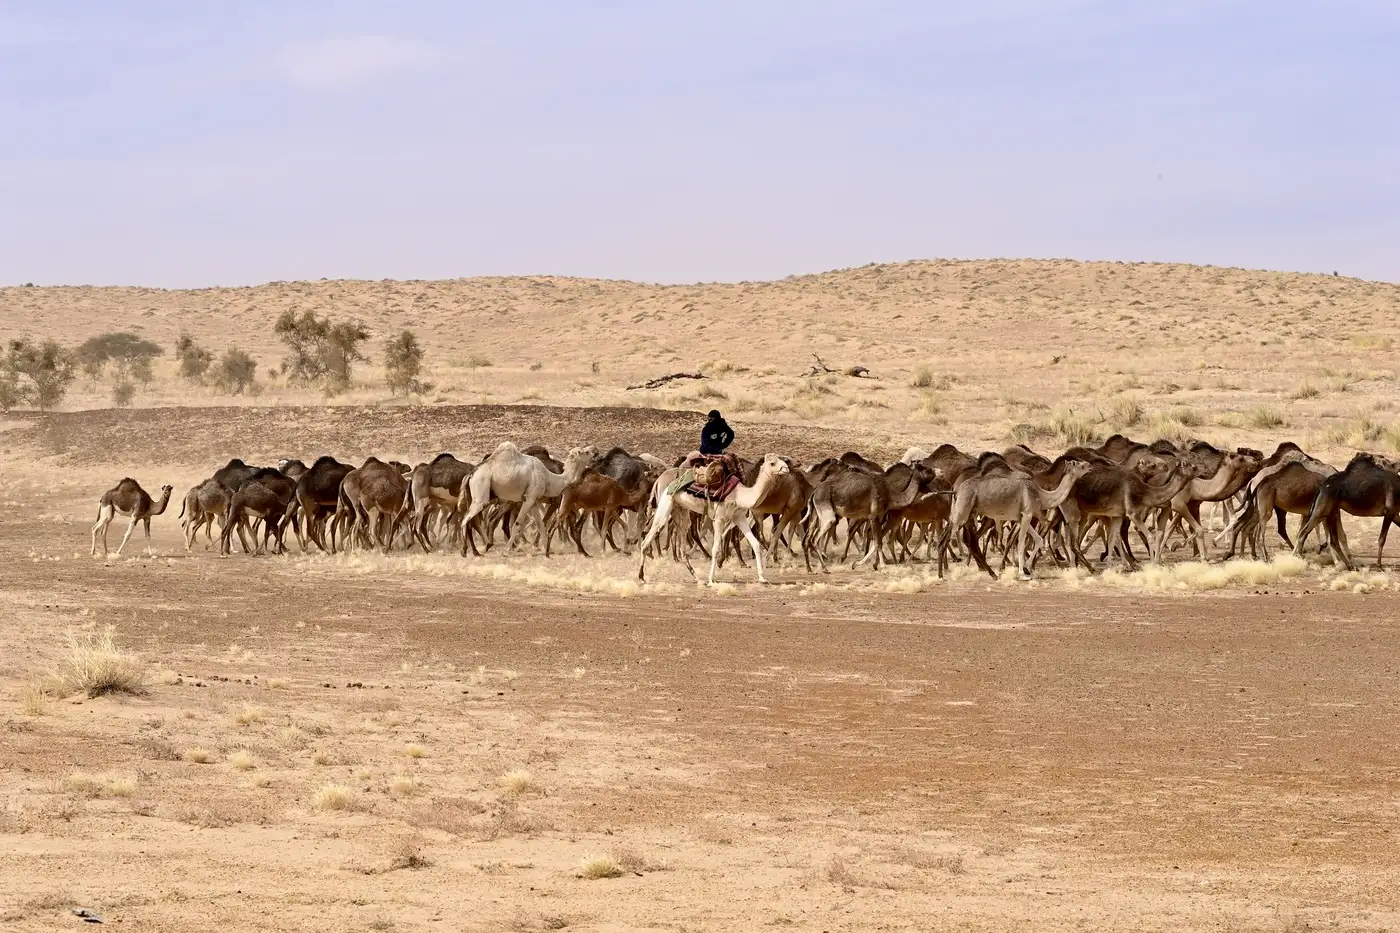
x=512 y=476
x=732 y=512
x=127 y=498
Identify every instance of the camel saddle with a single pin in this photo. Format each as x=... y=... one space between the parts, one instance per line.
x=713 y=477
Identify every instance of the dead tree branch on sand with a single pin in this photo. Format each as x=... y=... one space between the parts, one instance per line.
x=660 y=381
x=820 y=368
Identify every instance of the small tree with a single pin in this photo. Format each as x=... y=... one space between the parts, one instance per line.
x=236 y=372
x=319 y=351
x=130 y=355
x=403 y=361
x=123 y=392
x=41 y=374
x=10 y=395
x=194 y=360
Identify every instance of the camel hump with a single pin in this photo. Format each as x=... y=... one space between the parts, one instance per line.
x=443 y=456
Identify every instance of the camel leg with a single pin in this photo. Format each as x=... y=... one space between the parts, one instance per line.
x=129 y=529
x=1380 y=549
x=746 y=529
x=104 y=518
x=658 y=521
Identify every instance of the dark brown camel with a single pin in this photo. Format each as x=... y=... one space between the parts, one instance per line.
x=1365 y=488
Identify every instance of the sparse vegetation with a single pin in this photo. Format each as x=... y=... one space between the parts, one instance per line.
x=194 y=360
x=100 y=785
x=333 y=797
x=198 y=756
x=518 y=782
x=95 y=666
x=320 y=352
x=236 y=373
x=36 y=375
x=403 y=362
x=1304 y=390
x=594 y=867
x=242 y=760
x=1263 y=418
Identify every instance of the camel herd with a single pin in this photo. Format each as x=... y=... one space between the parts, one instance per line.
x=947 y=504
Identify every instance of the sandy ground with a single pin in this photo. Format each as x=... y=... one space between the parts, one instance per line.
x=972 y=352
x=813 y=756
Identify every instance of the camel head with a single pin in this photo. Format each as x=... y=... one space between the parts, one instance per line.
x=579 y=459
x=774 y=465
x=166 y=489
x=1077 y=468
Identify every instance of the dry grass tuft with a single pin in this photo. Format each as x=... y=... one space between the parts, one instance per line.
x=838 y=871
x=1263 y=418
x=242 y=760
x=199 y=756
x=1125 y=411
x=403 y=786
x=519 y=781
x=594 y=867
x=277 y=683
x=100 y=785
x=34 y=700
x=96 y=666
x=415 y=751
x=333 y=797
x=408 y=854
x=1304 y=391
x=247 y=714
x=165 y=677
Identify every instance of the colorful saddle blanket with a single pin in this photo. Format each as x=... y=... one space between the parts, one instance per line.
x=712 y=478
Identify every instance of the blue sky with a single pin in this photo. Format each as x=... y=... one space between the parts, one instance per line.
x=185 y=144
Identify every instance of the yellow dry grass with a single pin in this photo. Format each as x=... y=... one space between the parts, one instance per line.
x=519 y=781
x=198 y=756
x=242 y=759
x=95 y=666
x=594 y=867
x=333 y=797
x=105 y=784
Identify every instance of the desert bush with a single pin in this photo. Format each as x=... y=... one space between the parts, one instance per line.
x=194 y=360
x=1125 y=411
x=333 y=797
x=123 y=393
x=236 y=373
x=95 y=665
x=129 y=355
x=319 y=351
x=923 y=378
x=38 y=375
x=594 y=867
x=403 y=361
x=1263 y=418
x=1305 y=390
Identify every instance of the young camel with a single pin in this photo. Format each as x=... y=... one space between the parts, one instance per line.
x=594 y=492
x=204 y=503
x=733 y=511
x=127 y=498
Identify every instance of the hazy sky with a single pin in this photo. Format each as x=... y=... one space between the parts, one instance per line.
x=176 y=143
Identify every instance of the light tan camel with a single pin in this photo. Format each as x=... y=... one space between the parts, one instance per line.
x=512 y=475
x=127 y=498
x=1007 y=496
x=731 y=512
x=1232 y=473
